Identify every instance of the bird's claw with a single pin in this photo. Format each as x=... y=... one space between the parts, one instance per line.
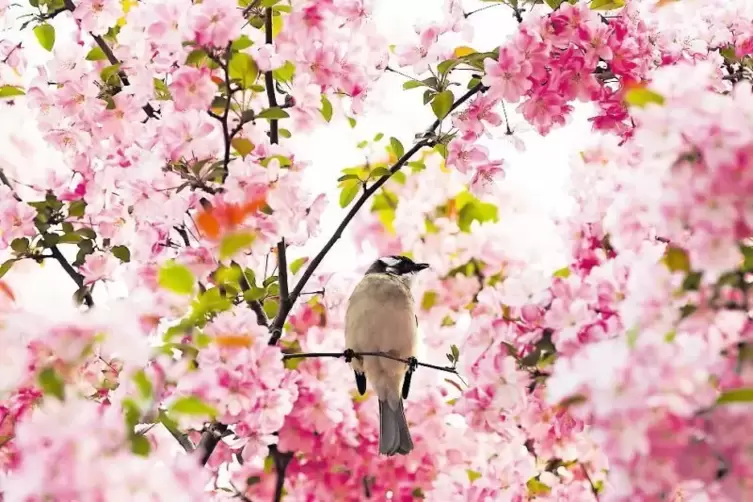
x=412 y=364
x=349 y=354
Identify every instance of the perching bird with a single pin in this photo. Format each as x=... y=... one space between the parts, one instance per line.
x=381 y=318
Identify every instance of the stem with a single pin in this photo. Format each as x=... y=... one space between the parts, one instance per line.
x=281 y=461
x=269 y=81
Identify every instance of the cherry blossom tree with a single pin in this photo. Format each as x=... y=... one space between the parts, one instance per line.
x=621 y=373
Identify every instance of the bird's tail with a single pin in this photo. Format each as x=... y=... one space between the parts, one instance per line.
x=394 y=436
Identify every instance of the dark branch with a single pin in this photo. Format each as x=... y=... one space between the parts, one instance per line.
x=359 y=355
x=590 y=482
x=269 y=81
x=209 y=440
x=150 y=112
x=54 y=250
x=281 y=460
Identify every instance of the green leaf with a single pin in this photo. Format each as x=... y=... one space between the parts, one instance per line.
x=747 y=252
x=51 y=383
x=6 y=266
x=445 y=66
x=442 y=103
x=122 y=253
x=349 y=192
x=554 y=4
x=140 y=445
x=77 y=208
x=235 y=242
x=378 y=172
x=243 y=146
x=196 y=57
x=242 y=42
x=20 y=245
x=412 y=84
x=110 y=74
x=606 y=4
x=297 y=264
x=472 y=475
x=429 y=300
x=346 y=177
x=192 y=405
x=455 y=352
x=96 y=54
x=326 y=108
x=45 y=34
x=536 y=487
x=640 y=96
x=564 y=273
x=242 y=68
x=143 y=384
x=285 y=72
x=177 y=278
x=742 y=395
x=397 y=147
x=273 y=113
x=676 y=259
x=378 y=137
x=161 y=91
x=10 y=91
x=271 y=307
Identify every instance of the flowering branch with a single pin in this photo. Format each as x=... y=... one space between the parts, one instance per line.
x=428 y=139
x=54 y=250
x=148 y=109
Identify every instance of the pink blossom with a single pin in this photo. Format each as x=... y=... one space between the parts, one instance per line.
x=17 y=218
x=214 y=23
x=97 y=16
x=507 y=77
x=98 y=266
x=192 y=88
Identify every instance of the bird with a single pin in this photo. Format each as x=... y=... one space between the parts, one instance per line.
x=380 y=317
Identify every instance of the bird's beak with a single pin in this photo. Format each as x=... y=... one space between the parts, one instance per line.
x=421 y=266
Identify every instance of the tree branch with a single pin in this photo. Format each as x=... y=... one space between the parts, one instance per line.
x=269 y=81
x=148 y=109
x=359 y=355
x=428 y=140
x=281 y=460
x=54 y=250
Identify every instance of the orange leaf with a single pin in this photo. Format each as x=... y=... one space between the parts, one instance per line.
x=217 y=80
x=233 y=341
x=4 y=288
x=208 y=224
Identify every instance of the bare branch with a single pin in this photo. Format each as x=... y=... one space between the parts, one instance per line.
x=358 y=355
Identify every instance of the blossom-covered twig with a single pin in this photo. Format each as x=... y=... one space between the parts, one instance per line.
x=54 y=250
x=428 y=140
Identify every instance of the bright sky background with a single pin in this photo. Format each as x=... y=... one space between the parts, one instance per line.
x=536 y=176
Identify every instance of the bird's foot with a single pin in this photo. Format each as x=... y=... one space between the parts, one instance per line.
x=412 y=364
x=349 y=354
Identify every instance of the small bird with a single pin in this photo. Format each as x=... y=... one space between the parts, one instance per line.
x=381 y=318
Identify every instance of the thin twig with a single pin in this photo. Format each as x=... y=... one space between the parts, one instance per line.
x=358 y=355
x=148 y=109
x=269 y=81
x=276 y=327
x=590 y=482
x=54 y=250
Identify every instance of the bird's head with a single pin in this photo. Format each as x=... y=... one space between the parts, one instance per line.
x=399 y=266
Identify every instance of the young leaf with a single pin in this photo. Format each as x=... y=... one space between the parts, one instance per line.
x=273 y=113
x=378 y=172
x=192 y=405
x=143 y=384
x=742 y=395
x=51 y=383
x=122 y=253
x=140 y=445
x=45 y=34
x=442 y=103
x=606 y=4
x=96 y=54
x=235 y=242
x=177 y=278
x=9 y=91
x=6 y=266
x=397 y=147
x=348 y=193
x=243 y=146
x=640 y=96
x=326 y=108
x=243 y=68
x=297 y=264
